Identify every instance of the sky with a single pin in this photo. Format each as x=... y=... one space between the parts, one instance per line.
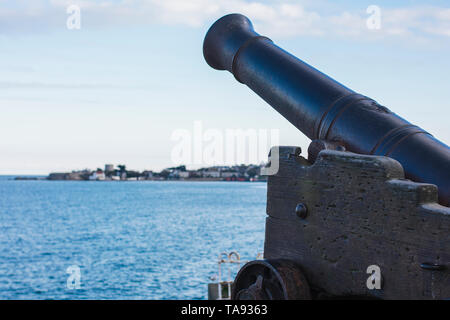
x=116 y=89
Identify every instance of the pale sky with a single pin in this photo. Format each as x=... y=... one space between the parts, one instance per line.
x=115 y=90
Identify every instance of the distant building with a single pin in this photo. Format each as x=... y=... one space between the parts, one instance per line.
x=147 y=175
x=211 y=174
x=97 y=175
x=229 y=174
x=109 y=168
x=185 y=174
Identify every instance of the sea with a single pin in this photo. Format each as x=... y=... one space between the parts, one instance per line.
x=124 y=240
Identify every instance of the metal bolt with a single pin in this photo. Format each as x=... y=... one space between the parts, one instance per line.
x=301 y=211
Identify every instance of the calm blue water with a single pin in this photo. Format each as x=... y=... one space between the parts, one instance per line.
x=131 y=240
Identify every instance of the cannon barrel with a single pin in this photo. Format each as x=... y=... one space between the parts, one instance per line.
x=321 y=107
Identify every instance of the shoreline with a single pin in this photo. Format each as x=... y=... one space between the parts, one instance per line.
x=12 y=178
x=240 y=173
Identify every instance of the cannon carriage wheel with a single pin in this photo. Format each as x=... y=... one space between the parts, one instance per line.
x=276 y=279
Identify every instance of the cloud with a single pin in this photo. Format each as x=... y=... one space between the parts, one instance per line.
x=275 y=18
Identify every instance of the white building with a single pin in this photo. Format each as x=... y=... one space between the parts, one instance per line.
x=184 y=174
x=97 y=175
x=148 y=174
x=229 y=174
x=211 y=174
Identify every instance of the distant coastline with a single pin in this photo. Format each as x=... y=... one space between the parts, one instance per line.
x=121 y=173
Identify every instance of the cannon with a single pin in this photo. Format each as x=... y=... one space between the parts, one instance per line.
x=366 y=214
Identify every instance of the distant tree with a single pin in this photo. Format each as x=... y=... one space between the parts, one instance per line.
x=133 y=174
x=179 y=168
x=122 y=168
x=242 y=168
x=252 y=172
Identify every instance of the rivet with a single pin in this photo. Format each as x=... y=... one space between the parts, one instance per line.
x=301 y=211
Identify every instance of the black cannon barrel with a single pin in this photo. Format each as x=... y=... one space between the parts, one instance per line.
x=321 y=107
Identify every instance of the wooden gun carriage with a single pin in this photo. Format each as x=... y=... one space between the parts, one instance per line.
x=366 y=214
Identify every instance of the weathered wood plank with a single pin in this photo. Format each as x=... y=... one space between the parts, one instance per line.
x=361 y=212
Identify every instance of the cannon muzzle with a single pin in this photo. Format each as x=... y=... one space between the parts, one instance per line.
x=322 y=108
